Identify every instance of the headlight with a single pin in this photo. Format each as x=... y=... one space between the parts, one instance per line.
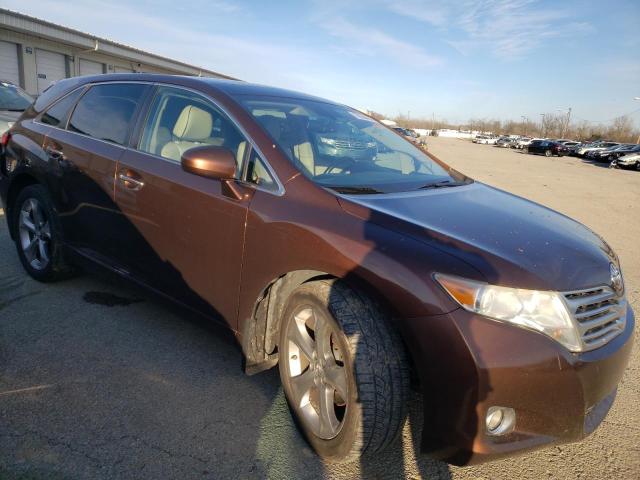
x=537 y=310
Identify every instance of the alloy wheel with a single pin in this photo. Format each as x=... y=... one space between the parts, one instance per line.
x=316 y=372
x=34 y=230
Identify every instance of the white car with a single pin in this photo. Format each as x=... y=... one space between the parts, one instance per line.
x=628 y=161
x=523 y=143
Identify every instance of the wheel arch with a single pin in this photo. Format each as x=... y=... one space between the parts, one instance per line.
x=18 y=183
x=260 y=333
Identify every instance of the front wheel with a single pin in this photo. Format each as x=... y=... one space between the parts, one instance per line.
x=343 y=370
x=548 y=153
x=38 y=235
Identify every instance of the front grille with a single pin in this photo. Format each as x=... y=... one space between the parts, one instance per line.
x=599 y=313
x=350 y=144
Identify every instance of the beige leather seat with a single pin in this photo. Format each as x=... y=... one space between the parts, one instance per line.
x=397 y=161
x=192 y=128
x=295 y=137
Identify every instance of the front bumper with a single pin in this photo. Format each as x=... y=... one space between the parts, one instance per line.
x=469 y=363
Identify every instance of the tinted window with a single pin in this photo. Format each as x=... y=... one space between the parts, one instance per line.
x=55 y=91
x=179 y=120
x=106 y=111
x=57 y=114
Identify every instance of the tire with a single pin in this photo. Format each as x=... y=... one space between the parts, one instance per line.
x=548 y=153
x=370 y=405
x=38 y=236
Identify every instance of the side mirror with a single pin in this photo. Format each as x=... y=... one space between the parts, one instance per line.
x=209 y=161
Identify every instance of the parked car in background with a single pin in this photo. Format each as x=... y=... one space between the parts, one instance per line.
x=609 y=154
x=582 y=151
x=523 y=142
x=411 y=135
x=629 y=161
x=486 y=139
x=13 y=101
x=353 y=270
x=505 y=142
x=627 y=150
x=547 y=148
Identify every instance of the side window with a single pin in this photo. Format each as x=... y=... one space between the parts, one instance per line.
x=179 y=120
x=258 y=173
x=57 y=114
x=106 y=111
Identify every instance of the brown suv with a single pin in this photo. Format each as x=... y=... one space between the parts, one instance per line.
x=332 y=247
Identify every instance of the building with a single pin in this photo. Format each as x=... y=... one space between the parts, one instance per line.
x=34 y=53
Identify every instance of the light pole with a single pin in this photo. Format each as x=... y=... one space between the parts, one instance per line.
x=525 y=120
x=565 y=124
x=543 y=128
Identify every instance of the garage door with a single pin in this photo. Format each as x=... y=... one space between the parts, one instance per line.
x=9 y=70
x=50 y=67
x=89 y=67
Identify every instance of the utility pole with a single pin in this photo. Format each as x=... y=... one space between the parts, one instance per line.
x=433 y=121
x=565 y=124
x=525 y=120
x=543 y=128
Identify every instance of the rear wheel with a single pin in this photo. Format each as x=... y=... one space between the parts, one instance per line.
x=343 y=370
x=38 y=235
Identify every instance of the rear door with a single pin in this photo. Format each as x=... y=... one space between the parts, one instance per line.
x=85 y=154
x=186 y=233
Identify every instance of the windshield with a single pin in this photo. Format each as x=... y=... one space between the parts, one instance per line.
x=13 y=98
x=340 y=148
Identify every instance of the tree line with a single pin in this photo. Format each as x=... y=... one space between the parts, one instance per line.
x=551 y=125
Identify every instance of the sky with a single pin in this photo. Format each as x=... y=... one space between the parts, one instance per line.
x=453 y=59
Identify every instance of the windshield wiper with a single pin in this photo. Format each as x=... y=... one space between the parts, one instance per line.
x=443 y=184
x=12 y=109
x=356 y=190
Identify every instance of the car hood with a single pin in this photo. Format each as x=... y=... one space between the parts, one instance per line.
x=507 y=239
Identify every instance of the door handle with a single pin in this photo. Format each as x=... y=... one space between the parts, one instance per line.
x=54 y=153
x=130 y=182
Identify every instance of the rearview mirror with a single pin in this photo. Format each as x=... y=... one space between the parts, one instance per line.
x=209 y=161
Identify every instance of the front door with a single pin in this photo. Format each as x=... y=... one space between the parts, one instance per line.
x=187 y=232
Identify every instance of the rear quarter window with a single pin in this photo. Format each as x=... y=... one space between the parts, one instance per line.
x=106 y=111
x=58 y=113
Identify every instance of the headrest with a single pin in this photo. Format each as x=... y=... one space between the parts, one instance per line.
x=193 y=124
x=273 y=125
